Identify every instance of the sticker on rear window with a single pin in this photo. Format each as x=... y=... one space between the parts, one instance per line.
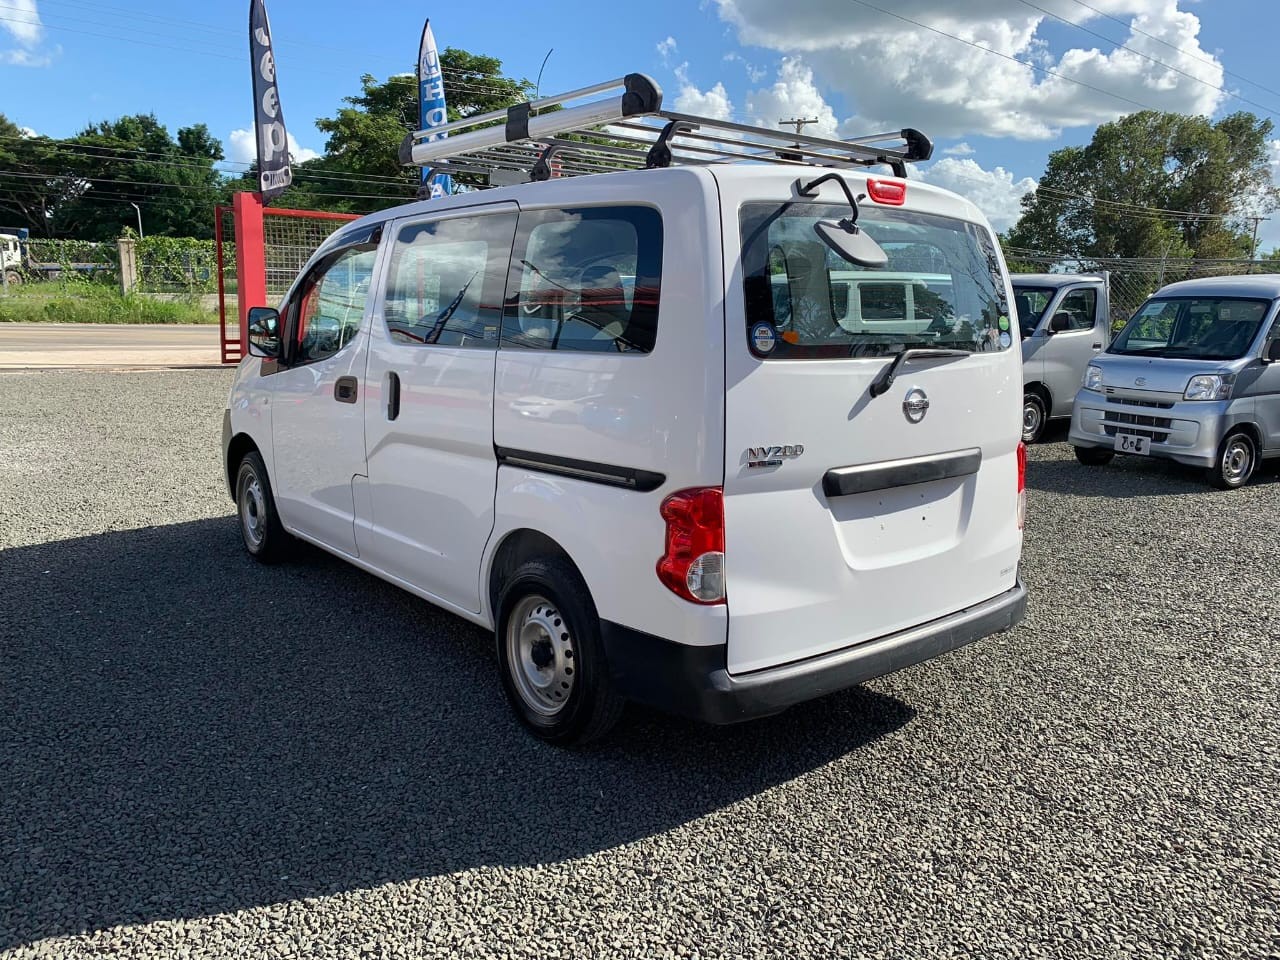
x=1005 y=340
x=763 y=337
x=1004 y=323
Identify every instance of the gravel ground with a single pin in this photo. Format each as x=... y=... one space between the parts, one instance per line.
x=203 y=758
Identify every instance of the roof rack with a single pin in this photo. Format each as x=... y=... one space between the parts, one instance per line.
x=629 y=130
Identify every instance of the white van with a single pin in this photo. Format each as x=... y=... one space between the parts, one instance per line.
x=567 y=410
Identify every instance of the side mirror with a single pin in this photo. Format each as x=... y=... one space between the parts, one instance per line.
x=1059 y=322
x=264 y=333
x=1273 y=351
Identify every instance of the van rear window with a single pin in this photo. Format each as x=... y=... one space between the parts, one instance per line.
x=942 y=286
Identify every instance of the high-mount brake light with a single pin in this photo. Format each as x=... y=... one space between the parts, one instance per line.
x=892 y=193
x=692 y=567
x=1022 y=485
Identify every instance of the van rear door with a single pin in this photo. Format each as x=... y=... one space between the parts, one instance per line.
x=849 y=517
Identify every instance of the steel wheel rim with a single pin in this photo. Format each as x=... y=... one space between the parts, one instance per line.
x=1031 y=418
x=253 y=510
x=1237 y=461
x=540 y=655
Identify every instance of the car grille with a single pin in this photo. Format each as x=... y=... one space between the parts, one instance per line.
x=1130 y=402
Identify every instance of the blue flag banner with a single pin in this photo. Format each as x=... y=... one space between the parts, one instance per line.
x=274 y=173
x=432 y=111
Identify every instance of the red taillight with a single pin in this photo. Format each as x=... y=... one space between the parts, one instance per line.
x=890 y=192
x=1022 y=484
x=693 y=565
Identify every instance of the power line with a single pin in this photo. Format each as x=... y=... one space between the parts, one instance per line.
x=152 y=185
x=1172 y=46
x=1138 y=53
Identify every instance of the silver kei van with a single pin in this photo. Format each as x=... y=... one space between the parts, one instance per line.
x=1194 y=376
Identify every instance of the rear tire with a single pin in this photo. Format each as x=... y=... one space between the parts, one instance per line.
x=1094 y=456
x=1034 y=417
x=551 y=656
x=1237 y=460
x=260 y=528
x=14 y=278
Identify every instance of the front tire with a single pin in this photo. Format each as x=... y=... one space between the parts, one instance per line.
x=260 y=528
x=1034 y=417
x=1237 y=459
x=551 y=656
x=14 y=277
x=1094 y=456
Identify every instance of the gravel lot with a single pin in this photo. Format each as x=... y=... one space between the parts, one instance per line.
x=203 y=758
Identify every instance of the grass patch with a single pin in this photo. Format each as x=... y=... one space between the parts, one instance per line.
x=87 y=303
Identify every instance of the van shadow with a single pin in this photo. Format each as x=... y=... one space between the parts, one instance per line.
x=184 y=732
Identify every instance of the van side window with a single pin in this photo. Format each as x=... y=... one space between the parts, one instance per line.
x=1082 y=307
x=585 y=280
x=445 y=282
x=330 y=304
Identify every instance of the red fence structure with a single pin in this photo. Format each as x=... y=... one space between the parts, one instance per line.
x=271 y=246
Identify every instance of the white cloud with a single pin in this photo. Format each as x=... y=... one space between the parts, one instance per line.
x=22 y=21
x=713 y=103
x=793 y=95
x=25 y=58
x=240 y=147
x=995 y=192
x=896 y=74
x=27 y=132
x=959 y=150
x=667 y=48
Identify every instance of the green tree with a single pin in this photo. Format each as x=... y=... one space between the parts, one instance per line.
x=1086 y=204
x=34 y=183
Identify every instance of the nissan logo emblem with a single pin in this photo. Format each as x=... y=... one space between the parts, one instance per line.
x=916 y=405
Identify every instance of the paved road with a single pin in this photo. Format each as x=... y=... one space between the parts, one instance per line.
x=45 y=345
x=204 y=758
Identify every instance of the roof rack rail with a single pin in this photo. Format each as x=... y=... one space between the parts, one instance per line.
x=629 y=130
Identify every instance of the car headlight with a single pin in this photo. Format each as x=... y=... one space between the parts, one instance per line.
x=1209 y=386
x=1093 y=378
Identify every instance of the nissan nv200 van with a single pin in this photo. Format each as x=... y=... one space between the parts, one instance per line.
x=616 y=419
x=1194 y=376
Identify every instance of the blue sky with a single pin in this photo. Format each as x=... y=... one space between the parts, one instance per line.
x=852 y=63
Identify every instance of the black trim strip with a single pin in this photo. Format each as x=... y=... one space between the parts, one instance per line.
x=606 y=473
x=845 y=481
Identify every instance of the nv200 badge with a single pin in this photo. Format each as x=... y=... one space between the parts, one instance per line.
x=772 y=456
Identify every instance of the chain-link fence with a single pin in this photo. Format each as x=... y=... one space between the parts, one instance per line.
x=1133 y=280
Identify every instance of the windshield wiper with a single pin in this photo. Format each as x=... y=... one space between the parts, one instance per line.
x=884 y=380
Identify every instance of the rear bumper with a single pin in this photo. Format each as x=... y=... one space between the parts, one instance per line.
x=695 y=681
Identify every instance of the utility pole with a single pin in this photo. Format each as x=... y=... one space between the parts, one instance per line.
x=1253 y=251
x=798 y=122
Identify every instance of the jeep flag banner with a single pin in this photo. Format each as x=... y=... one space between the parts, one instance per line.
x=268 y=119
x=432 y=111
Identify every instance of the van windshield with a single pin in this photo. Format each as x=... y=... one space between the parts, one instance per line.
x=1195 y=328
x=942 y=286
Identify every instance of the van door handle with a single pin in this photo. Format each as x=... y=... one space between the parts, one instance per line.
x=393 y=396
x=344 y=390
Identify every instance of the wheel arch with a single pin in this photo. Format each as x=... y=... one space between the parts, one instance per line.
x=517 y=546
x=240 y=444
x=1039 y=389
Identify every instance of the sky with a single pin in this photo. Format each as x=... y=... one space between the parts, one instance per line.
x=997 y=84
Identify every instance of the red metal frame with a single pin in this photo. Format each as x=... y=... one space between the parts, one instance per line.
x=249 y=215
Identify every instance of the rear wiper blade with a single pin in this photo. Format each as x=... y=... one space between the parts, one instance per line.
x=884 y=380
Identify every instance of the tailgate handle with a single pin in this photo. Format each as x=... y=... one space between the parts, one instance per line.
x=864 y=478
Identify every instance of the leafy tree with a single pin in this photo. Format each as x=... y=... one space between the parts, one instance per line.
x=82 y=186
x=1086 y=203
